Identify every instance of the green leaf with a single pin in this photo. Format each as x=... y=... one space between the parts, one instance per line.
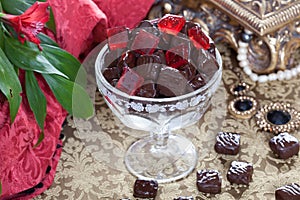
x=16 y=7
x=66 y=63
x=0 y=188
x=36 y=99
x=1 y=35
x=10 y=85
x=51 y=22
x=41 y=137
x=71 y=96
x=28 y=58
x=46 y=40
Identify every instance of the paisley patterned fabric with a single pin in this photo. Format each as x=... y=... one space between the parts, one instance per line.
x=24 y=166
x=92 y=162
x=26 y=171
x=82 y=23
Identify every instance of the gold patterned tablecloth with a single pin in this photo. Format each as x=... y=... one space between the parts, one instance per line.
x=91 y=165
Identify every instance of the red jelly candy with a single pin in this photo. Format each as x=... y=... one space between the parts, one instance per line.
x=199 y=39
x=129 y=82
x=117 y=37
x=171 y=24
x=145 y=42
x=177 y=56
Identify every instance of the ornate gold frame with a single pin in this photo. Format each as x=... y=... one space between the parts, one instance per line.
x=275 y=26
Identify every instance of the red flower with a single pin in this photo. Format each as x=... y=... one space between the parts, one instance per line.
x=30 y=23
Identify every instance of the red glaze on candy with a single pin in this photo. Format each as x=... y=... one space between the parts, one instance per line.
x=117 y=37
x=199 y=39
x=177 y=56
x=145 y=42
x=171 y=24
x=130 y=81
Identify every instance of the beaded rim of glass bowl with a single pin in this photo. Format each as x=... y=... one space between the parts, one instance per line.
x=244 y=63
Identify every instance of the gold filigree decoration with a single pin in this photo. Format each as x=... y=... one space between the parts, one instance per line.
x=262 y=24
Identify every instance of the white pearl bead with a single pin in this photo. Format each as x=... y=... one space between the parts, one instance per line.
x=272 y=77
x=263 y=78
x=248 y=31
x=281 y=75
x=247 y=70
x=244 y=63
x=254 y=77
x=243 y=44
x=241 y=57
x=298 y=69
x=294 y=72
x=288 y=74
x=242 y=51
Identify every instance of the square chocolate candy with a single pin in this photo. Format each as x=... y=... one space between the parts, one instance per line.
x=288 y=192
x=209 y=181
x=240 y=172
x=171 y=82
x=284 y=145
x=227 y=143
x=145 y=188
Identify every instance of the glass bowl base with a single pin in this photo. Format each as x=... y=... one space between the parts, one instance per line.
x=171 y=162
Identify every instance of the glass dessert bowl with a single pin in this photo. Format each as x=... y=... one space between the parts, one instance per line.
x=168 y=100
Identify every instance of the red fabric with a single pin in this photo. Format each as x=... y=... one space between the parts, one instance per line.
x=80 y=24
x=22 y=166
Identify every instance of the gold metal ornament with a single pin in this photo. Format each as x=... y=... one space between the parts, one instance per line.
x=238 y=107
x=277 y=118
x=239 y=89
x=275 y=26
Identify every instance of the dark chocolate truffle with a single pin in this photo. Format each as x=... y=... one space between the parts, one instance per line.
x=145 y=188
x=288 y=192
x=240 y=172
x=209 y=181
x=227 y=143
x=284 y=145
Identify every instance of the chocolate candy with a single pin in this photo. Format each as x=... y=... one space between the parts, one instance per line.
x=240 y=172
x=112 y=75
x=209 y=68
x=184 y=198
x=128 y=60
x=148 y=66
x=148 y=90
x=129 y=82
x=284 y=145
x=153 y=49
x=227 y=143
x=166 y=82
x=288 y=192
x=188 y=71
x=209 y=181
x=145 y=188
x=197 y=82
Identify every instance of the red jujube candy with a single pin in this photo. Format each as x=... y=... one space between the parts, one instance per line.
x=145 y=42
x=200 y=40
x=171 y=24
x=117 y=37
x=129 y=82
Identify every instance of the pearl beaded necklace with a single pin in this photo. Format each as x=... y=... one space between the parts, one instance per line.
x=244 y=63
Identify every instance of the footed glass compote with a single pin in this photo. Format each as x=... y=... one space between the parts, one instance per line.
x=161 y=155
